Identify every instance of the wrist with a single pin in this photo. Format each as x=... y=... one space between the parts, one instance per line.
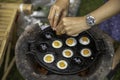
x=85 y=24
x=66 y=0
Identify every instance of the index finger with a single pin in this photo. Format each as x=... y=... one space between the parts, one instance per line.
x=51 y=16
x=59 y=28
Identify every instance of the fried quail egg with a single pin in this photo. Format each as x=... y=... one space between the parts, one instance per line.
x=84 y=40
x=48 y=58
x=57 y=44
x=62 y=64
x=86 y=52
x=67 y=53
x=71 y=42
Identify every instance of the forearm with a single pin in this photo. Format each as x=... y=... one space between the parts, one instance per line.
x=109 y=9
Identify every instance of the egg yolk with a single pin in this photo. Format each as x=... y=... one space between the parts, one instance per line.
x=85 y=39
x=70 y=41
x=67 y=53
x=56 y=43
x=48 y=58
x=86 y=52
x=62 y=64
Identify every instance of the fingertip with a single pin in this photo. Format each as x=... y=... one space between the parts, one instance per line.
x=58 y=33
x=53 y=29
x=54 y=25
x=51 y=23
x=57 y=28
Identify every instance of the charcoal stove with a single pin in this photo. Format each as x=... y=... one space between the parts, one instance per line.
x=37 y=41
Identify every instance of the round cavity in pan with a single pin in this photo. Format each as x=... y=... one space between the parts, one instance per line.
x=68 y=53
x=48 y=58
x=71 y=42
x=62 y=64
x=84 y=40
x=57 y=44
x=43 y=47
x=86 y=52
x=48 y=35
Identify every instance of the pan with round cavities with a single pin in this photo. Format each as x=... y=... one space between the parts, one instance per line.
x=62 y=54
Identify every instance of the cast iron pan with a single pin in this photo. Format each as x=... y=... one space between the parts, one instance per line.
x=76 y=63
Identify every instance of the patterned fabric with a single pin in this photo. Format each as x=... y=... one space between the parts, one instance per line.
x=112 y=27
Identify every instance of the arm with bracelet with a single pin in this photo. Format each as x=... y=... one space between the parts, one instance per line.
x=75 y=25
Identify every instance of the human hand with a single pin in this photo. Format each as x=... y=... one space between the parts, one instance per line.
x=72 y=25
x=57 y=12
